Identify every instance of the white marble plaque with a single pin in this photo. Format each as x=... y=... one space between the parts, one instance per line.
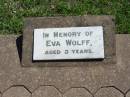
x=68 y=43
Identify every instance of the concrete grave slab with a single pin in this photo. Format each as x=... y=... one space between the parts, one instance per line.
x=71 y=21
x=64 y=79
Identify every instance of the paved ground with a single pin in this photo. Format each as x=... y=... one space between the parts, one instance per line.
x=110 y=80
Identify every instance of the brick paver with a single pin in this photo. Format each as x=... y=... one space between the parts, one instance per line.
x=108 y=92
x=17 y=92
x=46 y=91
x=77 y=92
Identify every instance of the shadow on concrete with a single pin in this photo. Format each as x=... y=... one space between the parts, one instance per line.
x=69 y=60
x=19 y=46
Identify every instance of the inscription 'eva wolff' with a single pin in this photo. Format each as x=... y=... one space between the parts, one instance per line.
x=67 y=42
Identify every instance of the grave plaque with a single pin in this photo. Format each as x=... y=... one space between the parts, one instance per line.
x=68 y=43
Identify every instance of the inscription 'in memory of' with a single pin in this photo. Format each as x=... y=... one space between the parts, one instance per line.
x=68 y=43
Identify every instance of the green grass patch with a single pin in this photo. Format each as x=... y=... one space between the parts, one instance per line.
x=12 y=12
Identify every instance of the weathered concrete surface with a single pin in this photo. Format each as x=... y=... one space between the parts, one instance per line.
x=11 y=72
x=64 y=80
x=128 y=94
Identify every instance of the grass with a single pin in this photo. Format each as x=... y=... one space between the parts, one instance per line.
x=12 y=12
